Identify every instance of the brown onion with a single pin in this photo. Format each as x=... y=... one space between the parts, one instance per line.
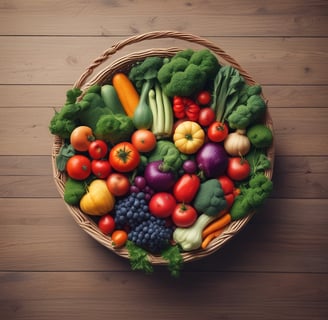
x=237 y=143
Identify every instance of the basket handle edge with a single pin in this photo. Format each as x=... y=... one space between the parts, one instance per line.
x=157 y=35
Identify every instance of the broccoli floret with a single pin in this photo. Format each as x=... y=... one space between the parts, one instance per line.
x=188 y=72
x=240 y=117
x=244 y=115
x=61 y=125
x=252 y=196
x=92 y=108
x=74 y=113
x=254 y=90
x=262 y=182
x=260 y=136
x=114 y=128
x=210 y=198
x=64 y=121
x=167 y=152
x=257 y=106
x=145 y=71
x=74 y=191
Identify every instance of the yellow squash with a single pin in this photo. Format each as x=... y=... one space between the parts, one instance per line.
x=98 y=200
x=188 y=137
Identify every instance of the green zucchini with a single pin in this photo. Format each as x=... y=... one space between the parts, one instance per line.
x=109 y=95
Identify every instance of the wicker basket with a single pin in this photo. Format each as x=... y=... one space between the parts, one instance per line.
x=123 y=64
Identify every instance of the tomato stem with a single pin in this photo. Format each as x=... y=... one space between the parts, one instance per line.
x=123 y=154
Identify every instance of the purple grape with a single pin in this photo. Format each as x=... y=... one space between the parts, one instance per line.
x=140 y=182
x=147 y=197
x=134 y=189
x=189 y=166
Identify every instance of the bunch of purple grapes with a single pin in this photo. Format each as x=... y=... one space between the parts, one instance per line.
x=140 y=185
x=132 y=211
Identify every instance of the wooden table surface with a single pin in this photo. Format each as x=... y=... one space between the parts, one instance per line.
x=276 y=268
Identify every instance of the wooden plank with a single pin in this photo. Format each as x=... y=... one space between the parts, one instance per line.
x=289 y=18
x=286 y=235
x=83 y=295
x=61 y=60
x=25 y=166
x=41 y=96
x=30 y=135
x=141 y=7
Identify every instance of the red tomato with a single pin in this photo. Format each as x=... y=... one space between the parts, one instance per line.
x=144 y=140
x=98 y=149
x=101 y=168
x=217 y=131
x=230 y=198
x=124 y=157
x=184 y=215
x=78 y=167
x=186 y=188
x=238 y=168
x=206 y=116
x=162 y=204
x=227 y=184
x=106 y=224
x=81 y=137
x=119 y=238
x=204 y=98
x=118 y=184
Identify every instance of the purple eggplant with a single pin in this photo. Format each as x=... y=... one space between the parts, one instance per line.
x=212 y=160
x=157 y=179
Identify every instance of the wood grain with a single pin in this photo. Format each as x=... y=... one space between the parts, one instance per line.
x=258 y=18
x=82 y=294
x=275 y=268
x=277 y=60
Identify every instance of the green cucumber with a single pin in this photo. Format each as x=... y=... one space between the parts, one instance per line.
x=109 y=95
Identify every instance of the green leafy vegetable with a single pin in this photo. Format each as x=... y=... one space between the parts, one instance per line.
x=258 y=161
x=227 y=84
x=66 y=151
x=138 y=258
x=175 y=262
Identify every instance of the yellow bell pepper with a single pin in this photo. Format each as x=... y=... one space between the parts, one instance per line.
x=188 y=137
x=98 y=200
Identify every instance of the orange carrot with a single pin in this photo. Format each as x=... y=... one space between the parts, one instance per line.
x=210 y=237
x=126 y=93
x=217 y=225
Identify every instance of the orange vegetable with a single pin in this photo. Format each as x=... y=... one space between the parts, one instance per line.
x=216 y=225
x=126 y=92
x=81 y=137
x=210 y=237
x=119 y=238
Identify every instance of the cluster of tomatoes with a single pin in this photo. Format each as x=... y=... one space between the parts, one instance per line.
x=96 y=158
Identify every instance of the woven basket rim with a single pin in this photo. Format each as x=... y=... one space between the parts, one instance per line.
x=123 y=64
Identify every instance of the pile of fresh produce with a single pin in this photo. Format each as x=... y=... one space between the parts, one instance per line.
x=166 y=156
